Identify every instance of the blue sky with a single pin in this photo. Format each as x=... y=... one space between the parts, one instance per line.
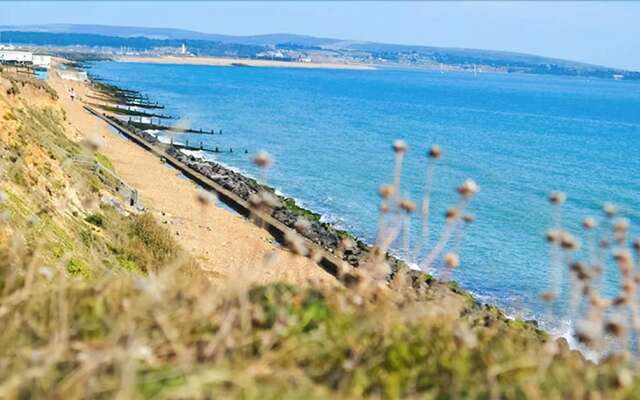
x=606 y=33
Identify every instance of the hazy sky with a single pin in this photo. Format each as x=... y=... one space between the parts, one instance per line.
x=606 y=33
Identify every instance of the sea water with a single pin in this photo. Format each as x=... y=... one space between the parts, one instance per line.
x=518 y=136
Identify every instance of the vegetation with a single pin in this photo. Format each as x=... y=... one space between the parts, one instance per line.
x=100 y=302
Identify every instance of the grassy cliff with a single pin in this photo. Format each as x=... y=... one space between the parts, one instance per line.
x=97 y=301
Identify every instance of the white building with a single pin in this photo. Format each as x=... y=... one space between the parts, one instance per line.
x=41 y=61
x=16 y=57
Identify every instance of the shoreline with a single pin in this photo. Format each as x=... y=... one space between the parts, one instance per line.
x=239 y=62
x=221 y=241
x=234 y=177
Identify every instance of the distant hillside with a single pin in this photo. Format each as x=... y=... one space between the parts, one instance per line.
x=170 y=33
x=295 y=47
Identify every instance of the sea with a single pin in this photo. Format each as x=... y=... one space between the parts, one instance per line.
x=520 y=137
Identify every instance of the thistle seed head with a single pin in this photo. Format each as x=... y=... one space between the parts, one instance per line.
x=622 y=255
x=589 y=223
x=628 y=286
x=269 y=199
x=302 y=225
x=569 y=242
x=435 y=152
x=255 y=200
x=609 y=209
x=400 y=146
x=93 y=143
x=552 y=235
x=581 y=272
x=262 y=159
x=585 y=333
x=615 y=327
x=451 y=260
x=205 y=198
x=295 y=243
x=347 y=244
x=386 y=191
x=452 y=213
x=598 y=302
x=620 y=300
x=548 y=296
x=557 y=198
x=407 y=205
x=621 y=225
x=468 y=188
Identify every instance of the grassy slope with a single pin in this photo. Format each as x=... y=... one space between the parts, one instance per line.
x=94 y=304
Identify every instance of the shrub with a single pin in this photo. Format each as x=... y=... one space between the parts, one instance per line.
x=148 y=244
x=95 y=219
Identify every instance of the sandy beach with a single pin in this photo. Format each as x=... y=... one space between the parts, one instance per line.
x=225 y=244
x=220 y=61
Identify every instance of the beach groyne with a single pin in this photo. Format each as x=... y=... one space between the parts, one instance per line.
x=234 y=190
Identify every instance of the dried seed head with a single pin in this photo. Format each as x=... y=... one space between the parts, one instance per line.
x=620 y=300
x=553 y=235
x=347 y=244
x=399 y=146
x=625 y=261
x=205 y=198
x=315 y=255
x=93 y=143
x=386 y=191
x=548 y=296
x=262 y=159
x=468 y=218
x=557 y=198
x=596 y=269
x=569 y=242
x=621 y=225
x=255 y=200
x=628 y=286
x=624 y=378
x=598 y=302
x=589 y=223
x=465 y=337
x=435 y=152
x=585 y=332
x=451 y=260
x=580 y=270
x=407 y=205
x=609 y=209
x=615 y=327
x=269 y=199
x=295 y=243
x=302 y=225
x=452 y=213
x=468 y=188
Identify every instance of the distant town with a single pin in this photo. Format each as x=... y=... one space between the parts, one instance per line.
x=32 y=47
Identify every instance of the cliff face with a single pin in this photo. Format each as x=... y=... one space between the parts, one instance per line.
x=52 y=197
